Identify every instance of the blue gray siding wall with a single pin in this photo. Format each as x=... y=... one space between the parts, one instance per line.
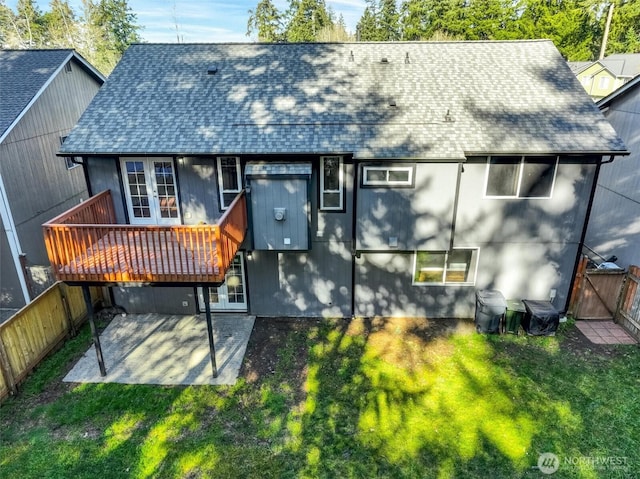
x=527 y=247
x=419 y=217
x=313 y=283
x=103 y=175
x=614 y=223
x=198 y=190
x=290 y=198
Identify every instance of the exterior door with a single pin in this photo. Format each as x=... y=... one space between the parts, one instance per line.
x=151 y=191
x=232 y=295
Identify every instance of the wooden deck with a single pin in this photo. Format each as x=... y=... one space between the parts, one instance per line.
x=86 y=246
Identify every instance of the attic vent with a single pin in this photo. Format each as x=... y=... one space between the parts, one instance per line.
x=384 y=60
x=212 y=70
x=351 y=56
x=67 y=67
x=406 y=58
x=392 y=103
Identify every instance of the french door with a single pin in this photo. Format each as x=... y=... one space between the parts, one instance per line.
x=232 y=295
x=151 y=191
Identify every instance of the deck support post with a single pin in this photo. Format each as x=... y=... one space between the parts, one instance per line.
x=212 y=346
x=94 y=332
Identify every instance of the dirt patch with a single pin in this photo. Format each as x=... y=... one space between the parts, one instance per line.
x=269 y=336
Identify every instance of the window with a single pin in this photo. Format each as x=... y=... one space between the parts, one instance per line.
x=387 y=175
x=520 y=177
x=229 y=179
x=69 y=160
x=331 y=183
x=453 y=267
x=603 y=84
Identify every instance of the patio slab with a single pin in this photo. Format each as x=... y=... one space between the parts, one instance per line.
x=168 y=350
x=604 y=332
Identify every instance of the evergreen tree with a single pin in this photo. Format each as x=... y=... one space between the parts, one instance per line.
x=367 y=28
x=61 y=25
x=266 y=22
x=109 y=27
x=28 y=25
x=388 y=21
x=306 y=19
x=624 y=35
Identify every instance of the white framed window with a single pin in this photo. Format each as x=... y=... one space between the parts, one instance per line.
x=387 y=175
x=69 y=160
x=331 y=183
x=603 y=83
x=458 y=266
x=229 y=179
x=520 y=177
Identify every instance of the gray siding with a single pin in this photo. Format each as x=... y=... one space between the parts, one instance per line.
x=38 y=184
x=198 y=190
x=267 y=194
x=384 y=281
x=314 y=283
x=10 y=290
x=103 y=175
x=162 y=300
x=332 y=225
x=419 y=217
x=614 y=225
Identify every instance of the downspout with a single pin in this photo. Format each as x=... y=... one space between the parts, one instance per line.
x=455 y=205
x=85 y=171
x=354 y=252
x=585 y=225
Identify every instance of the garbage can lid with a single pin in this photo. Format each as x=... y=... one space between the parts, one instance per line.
x=516 y=305
x=491 y=297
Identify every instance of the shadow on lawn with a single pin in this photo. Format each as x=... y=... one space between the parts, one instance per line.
x=361 y=398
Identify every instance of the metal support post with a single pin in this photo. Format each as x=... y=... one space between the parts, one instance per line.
x=94 y=332
x=212 y=347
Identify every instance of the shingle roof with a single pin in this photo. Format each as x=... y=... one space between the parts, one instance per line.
x=428 y=100
x=623 y=64
x=22 y=74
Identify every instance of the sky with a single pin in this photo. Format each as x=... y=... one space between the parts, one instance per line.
x=207 y=20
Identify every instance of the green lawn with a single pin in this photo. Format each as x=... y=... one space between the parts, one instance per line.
x=346 y=399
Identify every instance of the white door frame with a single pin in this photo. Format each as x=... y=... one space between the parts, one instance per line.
x=151 y=185
x=223 y=303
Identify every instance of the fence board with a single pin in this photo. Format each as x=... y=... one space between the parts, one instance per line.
x=598 y=294
x=29 y=335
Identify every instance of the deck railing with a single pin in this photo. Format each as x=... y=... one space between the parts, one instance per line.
x=85 y=244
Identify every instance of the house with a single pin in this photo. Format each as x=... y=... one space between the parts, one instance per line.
x=42 y=95
x=367 y=179
x=614 y=222
x=606 y=75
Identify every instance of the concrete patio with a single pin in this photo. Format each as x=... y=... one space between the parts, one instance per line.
x=168 y=350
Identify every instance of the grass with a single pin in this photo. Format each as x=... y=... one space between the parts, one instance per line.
x=347 y=399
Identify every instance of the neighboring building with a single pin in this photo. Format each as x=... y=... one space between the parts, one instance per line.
x=389 y=179
x=42 y=95
x=602 y=77
x=614 y=222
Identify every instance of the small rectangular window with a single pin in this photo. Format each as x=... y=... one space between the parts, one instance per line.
x=604 y=83
x=453 y=267
x=229 y=179
x=331 y=183
x=387 y=175
x=520 y=177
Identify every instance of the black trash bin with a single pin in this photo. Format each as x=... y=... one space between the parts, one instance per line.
x=490 y=309
x=541 y=318
x=513 y=317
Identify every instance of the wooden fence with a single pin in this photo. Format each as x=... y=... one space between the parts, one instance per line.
x=38 y=328
x=605 y=295
x=628 y=314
